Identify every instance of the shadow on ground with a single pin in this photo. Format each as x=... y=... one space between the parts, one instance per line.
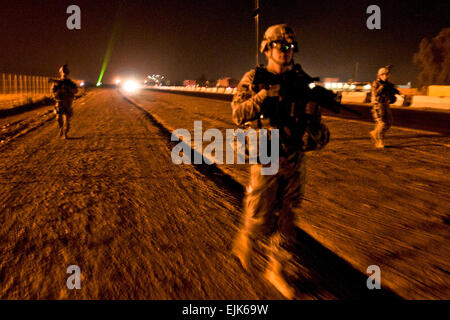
x=331 y=273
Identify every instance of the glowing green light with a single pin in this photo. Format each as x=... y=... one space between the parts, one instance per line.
x=111 y=42
x=106 y=59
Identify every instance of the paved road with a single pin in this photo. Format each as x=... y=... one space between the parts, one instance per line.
x=110 y=201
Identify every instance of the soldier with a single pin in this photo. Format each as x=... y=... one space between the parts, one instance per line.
x=383 y=94
x=64 y=91
x=277 y=96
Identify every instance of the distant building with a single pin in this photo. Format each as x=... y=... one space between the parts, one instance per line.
x=331 y=80
x=155 y=80
x=211 y=83
x=189 y=83
x=227 y=82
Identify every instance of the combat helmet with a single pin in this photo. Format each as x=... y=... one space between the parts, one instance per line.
x=386 y=69
x=276 y=33
x=64 y=69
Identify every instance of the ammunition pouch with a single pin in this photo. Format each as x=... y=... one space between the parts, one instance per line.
x=61 y=109
x=253 y=142
x=315 y=137
x=257 y=124
x=295 y=113
x=58 y=109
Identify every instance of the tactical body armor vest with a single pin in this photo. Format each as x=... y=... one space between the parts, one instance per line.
x=294 y=112
x=387 y=93
x=64 y=89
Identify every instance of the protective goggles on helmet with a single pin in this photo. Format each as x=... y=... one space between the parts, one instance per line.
x=284 y=46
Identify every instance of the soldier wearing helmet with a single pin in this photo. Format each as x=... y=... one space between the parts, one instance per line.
x=270 y=97
x=280 y=33
x=383 y=94
x=64 y=91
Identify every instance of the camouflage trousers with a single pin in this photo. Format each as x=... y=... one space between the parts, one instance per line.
x=382 y=115
x=269 y=209
x=63 y=115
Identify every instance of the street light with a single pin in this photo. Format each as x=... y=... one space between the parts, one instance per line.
x=256 y=15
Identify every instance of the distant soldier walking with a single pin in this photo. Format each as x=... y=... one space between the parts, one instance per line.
x=383 y=94
x=64 y=91
x=277 y=96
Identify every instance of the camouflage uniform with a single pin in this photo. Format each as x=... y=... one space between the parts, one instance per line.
x=271 y=200
x=64 y=91
x=383 y=94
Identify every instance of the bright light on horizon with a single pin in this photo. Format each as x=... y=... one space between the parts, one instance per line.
x=131 y=86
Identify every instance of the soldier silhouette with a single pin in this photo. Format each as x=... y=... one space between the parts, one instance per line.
x=383 y=94
x=272 y=201
x=64 y=91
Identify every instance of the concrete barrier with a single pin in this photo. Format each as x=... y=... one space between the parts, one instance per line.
x=430 y=120
x=14 y=100
x=354 y=97
x=400 y=101
x=439 y=91
x=30 y=105
x=212 y=90
x=430 y=102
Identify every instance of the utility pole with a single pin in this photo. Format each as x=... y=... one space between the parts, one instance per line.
x=256 y=15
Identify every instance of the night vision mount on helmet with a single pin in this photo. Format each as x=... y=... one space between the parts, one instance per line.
x=281 y=33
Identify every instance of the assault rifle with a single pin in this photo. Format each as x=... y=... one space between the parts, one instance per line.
x=297 y=86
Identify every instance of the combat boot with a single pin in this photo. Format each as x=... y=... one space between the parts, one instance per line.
x=373 y=137
x=380 y=144
x=275 y=277
x=241 y=249
x=375 y=140
x=66 y=130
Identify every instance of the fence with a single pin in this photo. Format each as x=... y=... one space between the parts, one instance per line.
x=21 y=89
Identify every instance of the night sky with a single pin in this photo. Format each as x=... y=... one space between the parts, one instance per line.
x=185 y=39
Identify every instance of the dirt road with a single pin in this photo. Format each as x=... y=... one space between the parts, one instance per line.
x=111 y=201
x=388 y=207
